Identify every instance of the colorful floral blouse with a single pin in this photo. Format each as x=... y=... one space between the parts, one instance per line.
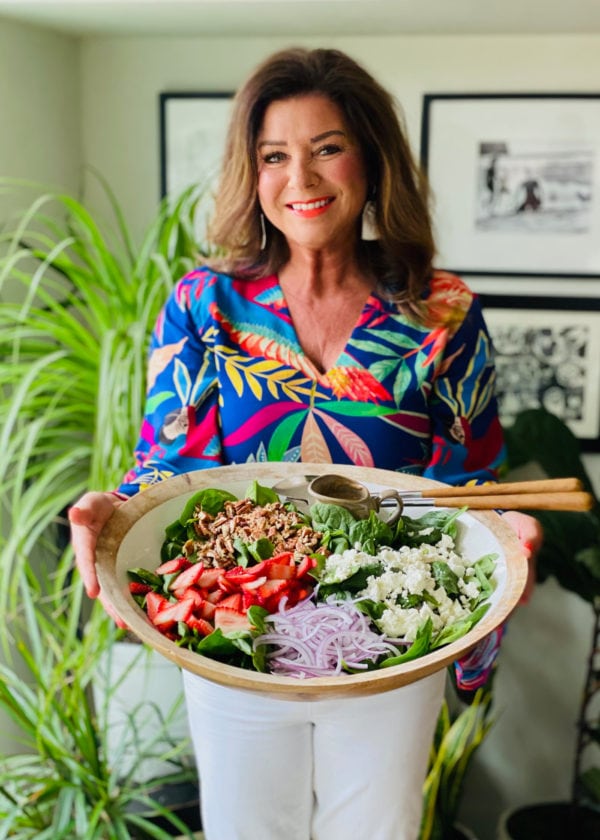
x=228 y=383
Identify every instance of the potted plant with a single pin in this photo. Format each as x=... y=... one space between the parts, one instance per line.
x=458 y=735
x=78 y=300
x=571 y=554
x=62 y=784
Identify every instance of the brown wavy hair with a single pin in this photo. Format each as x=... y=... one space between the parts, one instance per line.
x=401 y=259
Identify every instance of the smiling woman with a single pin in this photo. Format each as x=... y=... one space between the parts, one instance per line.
x=322 y=334
x=309 y=174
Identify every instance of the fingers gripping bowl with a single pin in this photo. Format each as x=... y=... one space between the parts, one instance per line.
x=135 y=533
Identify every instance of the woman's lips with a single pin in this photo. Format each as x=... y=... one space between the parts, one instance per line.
x=309 y=209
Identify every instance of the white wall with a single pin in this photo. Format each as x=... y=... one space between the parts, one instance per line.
x=39 y=106
x=528 y=755
x=40 y=134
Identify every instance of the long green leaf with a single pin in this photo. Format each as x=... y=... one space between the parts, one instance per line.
x=79 y=331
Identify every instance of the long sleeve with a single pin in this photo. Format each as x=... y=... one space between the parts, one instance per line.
x=467 y=446
x=180 y=429
x=467 y=440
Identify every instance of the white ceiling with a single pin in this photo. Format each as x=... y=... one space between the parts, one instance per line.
x=308 y=17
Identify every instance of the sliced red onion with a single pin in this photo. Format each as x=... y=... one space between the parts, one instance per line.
x=318 y=639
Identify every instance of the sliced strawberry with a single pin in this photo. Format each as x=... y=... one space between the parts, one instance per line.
x=249 y=599
x=241 y=575
x=233 y=602
x=136 y=587
x=227 y=584
x=272 y=587
x=286 y=558
x=155 y=602
x=280 y=571
x=228 y=620
x=207 y=611
x=258 y=568
x=170 y=615
x=215 y=596
x=192 y=595
x=298 y=593
x=210 y=578
x=305 y=565
x=188 y=577
x=271 y=592
x=255 y=583
x=177 y=564
x=200 y=624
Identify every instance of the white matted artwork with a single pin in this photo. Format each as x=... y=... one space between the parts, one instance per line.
x=546 y=355
x=515 y=181
x=192 y=138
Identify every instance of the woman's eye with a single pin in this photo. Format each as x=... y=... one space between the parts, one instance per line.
x=273 y=157
x=329 y=149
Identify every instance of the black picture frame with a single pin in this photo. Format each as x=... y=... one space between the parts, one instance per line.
x=515 y=179
x=546 y=354
x=192 y=127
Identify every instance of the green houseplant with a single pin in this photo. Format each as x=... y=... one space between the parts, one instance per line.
x=61 y=784
x=570 y=554
x=457 y=737
x=78 y=299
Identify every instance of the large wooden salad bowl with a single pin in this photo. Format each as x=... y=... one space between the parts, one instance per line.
x=134 y=534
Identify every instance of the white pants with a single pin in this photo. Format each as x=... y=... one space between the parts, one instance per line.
x=331 y=769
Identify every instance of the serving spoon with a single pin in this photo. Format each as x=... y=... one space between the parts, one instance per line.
x=565 y=494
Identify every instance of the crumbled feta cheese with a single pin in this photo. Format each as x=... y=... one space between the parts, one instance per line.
x=470 y=590
x=407 y=587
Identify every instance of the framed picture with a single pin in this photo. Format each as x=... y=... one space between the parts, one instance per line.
x=515 y=181
x=192 y=138
x=547 y=352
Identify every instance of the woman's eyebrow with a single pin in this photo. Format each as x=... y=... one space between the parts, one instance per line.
x=335 y=131
x=316 y=139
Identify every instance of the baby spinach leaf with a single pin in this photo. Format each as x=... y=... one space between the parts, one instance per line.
x=374 y=609
x=211 y=500
x=444 y=576
x=261 y=495
x=420 y=646
x=215 y=645
x=428 y=528
x=250 y=553
x=175 y=536
x=331 y=518
x=371 y=533
x=256 y=617
x=352 y=584
x=487 y=564
x=140 y=575
x=455 y=631
x=336 y=542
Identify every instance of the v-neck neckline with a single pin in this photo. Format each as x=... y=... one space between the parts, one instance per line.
x=318 y=372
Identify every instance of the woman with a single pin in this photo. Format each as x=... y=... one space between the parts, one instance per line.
x=322 y=335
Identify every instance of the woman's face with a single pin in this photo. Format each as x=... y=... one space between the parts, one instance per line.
x=312 y=182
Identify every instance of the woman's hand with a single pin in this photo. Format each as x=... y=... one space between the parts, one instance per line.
x=87 y=518
x=531 y=536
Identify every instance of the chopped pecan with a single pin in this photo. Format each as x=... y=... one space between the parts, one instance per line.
x=243 y=520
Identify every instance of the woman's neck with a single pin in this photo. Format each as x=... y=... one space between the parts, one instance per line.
x=325 y=298
x=315 y=275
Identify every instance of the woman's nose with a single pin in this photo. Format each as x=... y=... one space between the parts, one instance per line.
x=302 y=173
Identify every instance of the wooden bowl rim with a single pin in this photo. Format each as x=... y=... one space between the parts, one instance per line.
x=129 y=514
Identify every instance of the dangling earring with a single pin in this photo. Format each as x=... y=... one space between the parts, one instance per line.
x=263 y=232
x=369 y=231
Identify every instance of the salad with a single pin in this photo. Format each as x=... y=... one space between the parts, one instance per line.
x=255 y=582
